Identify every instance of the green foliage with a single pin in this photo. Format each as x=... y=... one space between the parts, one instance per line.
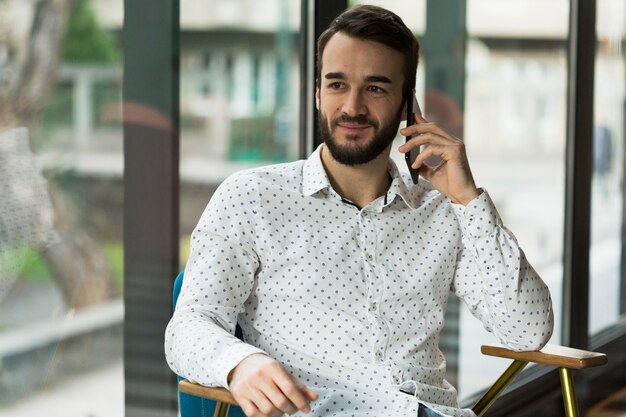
x=114 y=254
x=34 y=267
x=251 y=140
x=85 y=40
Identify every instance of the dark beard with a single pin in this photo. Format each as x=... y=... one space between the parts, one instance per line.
x=356 y=155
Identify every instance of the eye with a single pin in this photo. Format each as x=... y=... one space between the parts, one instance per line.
x=375 y=89
x=335 y=85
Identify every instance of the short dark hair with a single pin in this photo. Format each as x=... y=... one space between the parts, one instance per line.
x=372 y=23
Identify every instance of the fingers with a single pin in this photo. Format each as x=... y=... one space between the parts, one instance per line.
x=311 y=395
x=427 y=130
x=262 y=406
x=429 y=152
x=423 y=139
x=293 y=392
x=270 y=399
x=264 y=388
x=423 y=126
x=281 y=400
x=439 y=142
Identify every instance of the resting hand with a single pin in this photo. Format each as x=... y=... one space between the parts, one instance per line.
x=453 y=177
x=263 y=388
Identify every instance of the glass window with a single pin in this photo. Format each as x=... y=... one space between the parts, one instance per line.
x=61 y=167
x=239 y=94
x=607 y=193
x=515 y=130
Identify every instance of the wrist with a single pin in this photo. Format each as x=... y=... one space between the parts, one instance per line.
x=468 y=196
x=237 y=367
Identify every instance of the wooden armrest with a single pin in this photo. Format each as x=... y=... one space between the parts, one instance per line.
x=212 y=393
x=560 y=356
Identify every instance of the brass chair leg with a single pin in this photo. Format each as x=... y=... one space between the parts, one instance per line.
x=569 y=393
x=221 y=409
x=496 y=389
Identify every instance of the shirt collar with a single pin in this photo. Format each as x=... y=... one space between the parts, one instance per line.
x=314 y=176
x=399 y=186
x=314 y=179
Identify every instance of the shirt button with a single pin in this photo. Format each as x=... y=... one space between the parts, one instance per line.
x=379 y=355
x=373 y=307
x=369 y=257
x=397 y=380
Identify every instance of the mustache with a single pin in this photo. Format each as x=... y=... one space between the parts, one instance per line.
x=359 y=119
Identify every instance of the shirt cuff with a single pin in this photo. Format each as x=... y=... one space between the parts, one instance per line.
x=230 y=358
x=479 y=218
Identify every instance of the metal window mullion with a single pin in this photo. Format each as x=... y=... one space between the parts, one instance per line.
x=307 y=78
x=151 y=198
x=579 y=149
x=320 y=14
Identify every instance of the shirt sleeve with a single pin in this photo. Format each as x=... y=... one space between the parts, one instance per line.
x=219 y=276
x=495 y=280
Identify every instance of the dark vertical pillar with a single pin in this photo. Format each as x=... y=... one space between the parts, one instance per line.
x=443 y=49
x=323 y=13
x=307 y=77
x=579 y=149
x=283 y=64
x=151 y=185
x=622 y=285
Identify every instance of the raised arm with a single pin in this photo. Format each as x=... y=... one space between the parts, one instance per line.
x=496 y=281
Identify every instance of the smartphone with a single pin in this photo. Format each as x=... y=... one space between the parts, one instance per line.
x=410 y=156
x=433 y=162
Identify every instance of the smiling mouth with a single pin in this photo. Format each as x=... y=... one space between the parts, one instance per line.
x=353 y=128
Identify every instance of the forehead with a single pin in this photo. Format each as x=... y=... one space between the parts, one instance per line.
x=358 y=59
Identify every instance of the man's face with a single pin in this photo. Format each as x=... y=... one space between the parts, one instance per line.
x=359 y=97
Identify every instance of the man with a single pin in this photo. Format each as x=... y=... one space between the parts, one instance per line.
x=338 y=268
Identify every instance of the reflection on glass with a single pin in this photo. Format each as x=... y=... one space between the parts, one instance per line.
x=60 y=212
x=607 y=193
x=239 y=94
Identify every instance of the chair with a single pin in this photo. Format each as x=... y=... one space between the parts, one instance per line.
x=195 y=398
x=192 y=404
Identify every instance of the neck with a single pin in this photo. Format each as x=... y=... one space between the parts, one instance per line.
x=361 y=184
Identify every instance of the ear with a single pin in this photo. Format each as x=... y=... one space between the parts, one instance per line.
x=317 y=95
x=403 y=113
x=405 y=97
x=416 y=107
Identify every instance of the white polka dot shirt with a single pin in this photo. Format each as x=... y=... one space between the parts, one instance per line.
x=350 y=300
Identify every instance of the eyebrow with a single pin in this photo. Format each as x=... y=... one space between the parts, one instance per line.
x=369 y=78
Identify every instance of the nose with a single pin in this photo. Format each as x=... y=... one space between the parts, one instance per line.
x=354 y=103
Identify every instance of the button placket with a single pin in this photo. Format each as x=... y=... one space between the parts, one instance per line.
x=369 y=236
x=369 y=246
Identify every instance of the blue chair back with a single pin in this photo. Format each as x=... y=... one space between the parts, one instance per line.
x=190 y=405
